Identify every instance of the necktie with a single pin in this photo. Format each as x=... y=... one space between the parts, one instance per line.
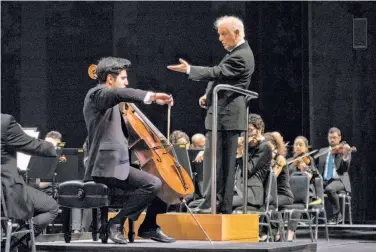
x=329 y=170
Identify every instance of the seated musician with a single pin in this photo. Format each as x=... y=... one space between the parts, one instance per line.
x=180 y=137
x=55 y=138
x=108 y=160
x=259 y=160
x=22 y=201
x=334 y=165
x=305 y=165
x=198 y=142
x=285 y=195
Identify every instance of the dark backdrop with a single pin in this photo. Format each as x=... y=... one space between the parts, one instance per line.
x=307 y=74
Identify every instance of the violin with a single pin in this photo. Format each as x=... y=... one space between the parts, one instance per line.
x=278 y=163
x=338 y=149
x=155 y=153
x=305 y=160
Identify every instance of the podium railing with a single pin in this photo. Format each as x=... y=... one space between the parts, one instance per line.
x=248 y=96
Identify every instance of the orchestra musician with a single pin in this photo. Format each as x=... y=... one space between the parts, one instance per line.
x=259 y=160
x=55 y=138
x=285 y=195
x=235 y=69
x=180 y=137
x=108 y=160
x=306 y=165
x=198 y=142
x=334 y=165
x=22 y=201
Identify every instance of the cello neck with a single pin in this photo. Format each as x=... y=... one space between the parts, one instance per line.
x=148 y=123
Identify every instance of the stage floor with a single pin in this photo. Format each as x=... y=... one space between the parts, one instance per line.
x=181 y=246
x=334 y=245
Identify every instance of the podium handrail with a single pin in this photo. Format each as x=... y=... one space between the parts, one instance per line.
x=249 y=95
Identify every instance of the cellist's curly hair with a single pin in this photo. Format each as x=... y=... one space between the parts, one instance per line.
x=111 y=65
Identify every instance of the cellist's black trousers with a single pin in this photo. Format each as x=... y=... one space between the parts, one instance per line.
x=141 y=190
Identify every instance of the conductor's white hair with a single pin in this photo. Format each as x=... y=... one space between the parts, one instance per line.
x=234 y=23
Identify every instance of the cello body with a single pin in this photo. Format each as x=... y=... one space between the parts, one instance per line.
x=156 y=156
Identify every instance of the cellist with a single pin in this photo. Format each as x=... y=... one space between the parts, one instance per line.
x=108 y=160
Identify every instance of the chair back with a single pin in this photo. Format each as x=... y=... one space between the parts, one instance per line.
x=299 y=183
x=319 y=187
x=4 y=212
x=270 y=189
x=274 y=190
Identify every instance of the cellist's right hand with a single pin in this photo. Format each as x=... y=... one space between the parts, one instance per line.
x=162 y=99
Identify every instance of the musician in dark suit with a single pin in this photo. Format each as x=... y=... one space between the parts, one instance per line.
x=22 y=201
x=108 y=160
x=259 y=160
x=334 y=170
x=235 y=69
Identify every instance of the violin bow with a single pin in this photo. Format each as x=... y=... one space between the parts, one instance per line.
x=168 y=122
x=300 y=157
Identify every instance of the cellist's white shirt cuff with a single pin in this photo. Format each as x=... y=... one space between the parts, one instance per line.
x=147 y=99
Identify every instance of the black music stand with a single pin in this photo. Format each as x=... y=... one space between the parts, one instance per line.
x=183 y=158
x=43 y=168
x=73 y=168
x=197 y=169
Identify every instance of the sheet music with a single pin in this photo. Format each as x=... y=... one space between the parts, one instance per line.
x=24 y=159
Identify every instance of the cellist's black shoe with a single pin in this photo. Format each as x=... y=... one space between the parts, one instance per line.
x=155 y=235
x=115 y=234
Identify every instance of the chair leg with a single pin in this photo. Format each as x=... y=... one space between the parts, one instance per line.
x=343 y=209
x=266 y=217
x=281 y=227
x=131 y=233
x=94 y=232
x=104 y=222
x=9 y=234
x=350 y=213
x=326 y=226
x=66 y=224
x=317 y=224
x=32 y=235
x=310 y=226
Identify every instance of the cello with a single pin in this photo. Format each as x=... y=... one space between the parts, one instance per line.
x=154 y=152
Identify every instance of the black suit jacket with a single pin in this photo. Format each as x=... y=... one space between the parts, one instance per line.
x=342 y=167
x=108 y=146
x=13 y=140
x=259 y=161
x=235 y=69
